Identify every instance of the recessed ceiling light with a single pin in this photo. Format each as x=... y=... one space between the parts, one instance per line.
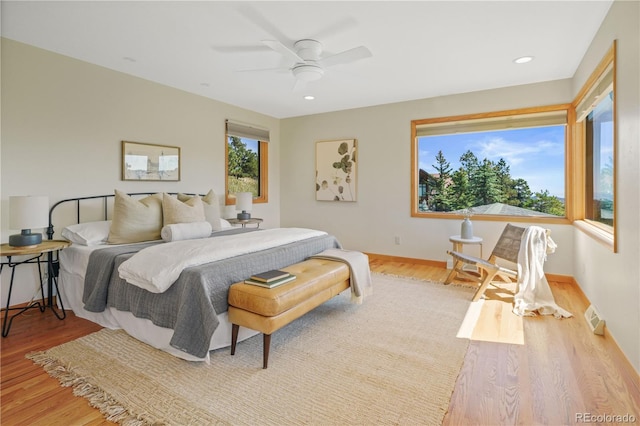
x=309 y=97
x=523 y=59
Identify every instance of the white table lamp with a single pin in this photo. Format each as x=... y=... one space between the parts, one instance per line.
x=25 y=213
x=244 y=202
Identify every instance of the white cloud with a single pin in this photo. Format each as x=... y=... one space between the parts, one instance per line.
x=515 y=153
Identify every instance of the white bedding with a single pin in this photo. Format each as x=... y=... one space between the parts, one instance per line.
x=155 y=268
x=73 y=265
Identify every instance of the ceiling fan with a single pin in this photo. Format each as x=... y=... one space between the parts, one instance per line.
x=308 y=64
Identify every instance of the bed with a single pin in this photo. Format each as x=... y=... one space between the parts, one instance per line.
x=189 y=317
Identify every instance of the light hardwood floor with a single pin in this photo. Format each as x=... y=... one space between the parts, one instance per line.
x=534 y=370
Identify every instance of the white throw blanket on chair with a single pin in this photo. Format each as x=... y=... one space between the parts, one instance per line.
x=534 y=294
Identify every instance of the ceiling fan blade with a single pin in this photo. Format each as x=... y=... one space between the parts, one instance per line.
x=299 y=85
x=239 y=49
x=335 y=29
x=347 y=56
x=278 y=69
x=283 y=50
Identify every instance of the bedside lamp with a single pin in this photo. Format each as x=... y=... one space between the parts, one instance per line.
x=26 y=212
x=244 y=202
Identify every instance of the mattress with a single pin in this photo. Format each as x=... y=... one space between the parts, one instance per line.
x=73 y=267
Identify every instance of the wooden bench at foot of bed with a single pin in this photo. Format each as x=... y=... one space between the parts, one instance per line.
x=267 y=310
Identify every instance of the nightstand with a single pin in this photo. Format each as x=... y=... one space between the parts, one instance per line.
x=244 y=222
x=34 y=254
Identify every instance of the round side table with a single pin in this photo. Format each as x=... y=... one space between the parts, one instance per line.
x=459 y=242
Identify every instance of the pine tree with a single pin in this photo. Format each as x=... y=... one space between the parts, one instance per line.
x=522 y=193
x=485 y=184
x=505 y=183
x=442 y=199
x=461 y=190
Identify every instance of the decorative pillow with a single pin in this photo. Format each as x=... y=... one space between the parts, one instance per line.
x=225 y=224
x=177 y=211
x=211 y=208
x=135 y=220
x=185 y=231
x=88 y=233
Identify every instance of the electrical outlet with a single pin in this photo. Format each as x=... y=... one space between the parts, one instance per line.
x=397 y=240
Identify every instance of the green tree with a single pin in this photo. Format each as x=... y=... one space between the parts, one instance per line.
x=485 y=185
x=461 y=190
x=522 y=193
x=545 y=203
x=440 y=184
x=505 y=182
x=242 y=161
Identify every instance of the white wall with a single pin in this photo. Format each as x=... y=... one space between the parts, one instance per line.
x=63 y=121
x=384 y=172
x=611 y=281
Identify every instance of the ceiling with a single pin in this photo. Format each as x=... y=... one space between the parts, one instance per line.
x=420 y=49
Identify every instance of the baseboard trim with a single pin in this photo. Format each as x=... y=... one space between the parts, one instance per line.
x=385 y=257
x=563 y=279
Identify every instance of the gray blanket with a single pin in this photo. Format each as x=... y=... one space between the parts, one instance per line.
x=191 y=305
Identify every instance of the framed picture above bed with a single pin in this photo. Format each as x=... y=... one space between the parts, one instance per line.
x=145 y=161
x=336 y=171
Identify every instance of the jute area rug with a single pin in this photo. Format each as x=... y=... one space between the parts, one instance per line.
x=392 y=360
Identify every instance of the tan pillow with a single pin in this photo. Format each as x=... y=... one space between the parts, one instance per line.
x=211 y=208
x=135 y=220
x=177 y=211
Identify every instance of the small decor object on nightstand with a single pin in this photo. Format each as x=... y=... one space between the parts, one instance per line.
x=244 y=203
x=466 y=229
x=26 y=212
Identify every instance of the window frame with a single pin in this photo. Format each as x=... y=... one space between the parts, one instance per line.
x=263 y=172
x=604 y=234
x=415 y=169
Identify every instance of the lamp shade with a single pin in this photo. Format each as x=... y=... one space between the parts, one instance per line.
x=244 y=203
x=26 y=212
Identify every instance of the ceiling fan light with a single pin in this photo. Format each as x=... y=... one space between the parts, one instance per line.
x=308 y=72
x=523 y=59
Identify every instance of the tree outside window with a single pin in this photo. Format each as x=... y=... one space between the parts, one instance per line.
x=505 y=166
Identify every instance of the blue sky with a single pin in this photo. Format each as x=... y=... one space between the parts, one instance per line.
x=533 y=154
x=252 y=145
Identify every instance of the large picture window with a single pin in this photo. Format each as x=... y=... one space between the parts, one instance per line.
x=246 y=158
x=505 y=164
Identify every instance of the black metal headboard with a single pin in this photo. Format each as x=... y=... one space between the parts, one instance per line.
x=105 y=198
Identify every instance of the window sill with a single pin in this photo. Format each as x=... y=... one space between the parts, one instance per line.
x=600 y=235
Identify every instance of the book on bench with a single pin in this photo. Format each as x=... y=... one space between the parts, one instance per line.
x=272 y=283
x=268 y=276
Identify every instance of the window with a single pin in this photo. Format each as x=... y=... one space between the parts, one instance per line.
x=246 y=161
x=500 y=164
x=595 y=141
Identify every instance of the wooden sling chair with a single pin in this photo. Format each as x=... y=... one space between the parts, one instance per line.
x=506 y=248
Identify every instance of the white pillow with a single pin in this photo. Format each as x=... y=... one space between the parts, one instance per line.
x=224 y=224
x=185 y=231
x=88 y=233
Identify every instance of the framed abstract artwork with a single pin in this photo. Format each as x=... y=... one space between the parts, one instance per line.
x=336 y=171
x=144 y=161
